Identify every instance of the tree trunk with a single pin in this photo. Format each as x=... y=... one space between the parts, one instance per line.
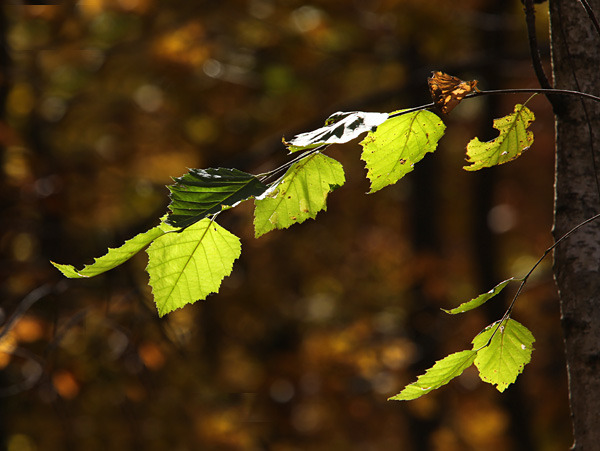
x=576 y=66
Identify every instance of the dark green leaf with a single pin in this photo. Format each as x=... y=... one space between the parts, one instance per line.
x=202 y=192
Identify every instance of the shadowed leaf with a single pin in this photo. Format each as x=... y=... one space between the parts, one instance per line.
x=202 y=192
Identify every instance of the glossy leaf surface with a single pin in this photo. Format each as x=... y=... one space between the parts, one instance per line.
x=202 y=192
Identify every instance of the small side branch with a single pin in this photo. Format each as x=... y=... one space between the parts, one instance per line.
x=533 y=46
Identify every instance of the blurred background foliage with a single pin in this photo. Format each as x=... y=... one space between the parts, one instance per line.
x=102 y=101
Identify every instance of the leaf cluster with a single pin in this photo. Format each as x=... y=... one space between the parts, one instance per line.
x=500 y=352
x=189 y=254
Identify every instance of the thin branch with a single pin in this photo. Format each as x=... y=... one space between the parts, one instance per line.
x=591 y=15
x=584 y=95
x=524 y=280
x=34 y=372
x=533 y=46
x=546 y=252
x=266 y=175
x=25 y=304
x=507 y=91
x=412 y=110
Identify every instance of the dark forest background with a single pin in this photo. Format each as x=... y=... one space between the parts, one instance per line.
x=102 y=101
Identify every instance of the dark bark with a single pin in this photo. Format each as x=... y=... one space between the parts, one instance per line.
x=576 y=66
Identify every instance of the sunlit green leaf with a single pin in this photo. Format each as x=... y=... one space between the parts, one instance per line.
x=115 y=256
x=299 y=195
x=442 y=372
x=481 y=299
x=202 y=192
x=189 y=265
x=513 y=140
x=391 y=151
x=339 y=128
x=507 y=354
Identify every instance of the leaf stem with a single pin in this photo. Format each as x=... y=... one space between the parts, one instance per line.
x=546 y=252
x=533 y=45
x=266 y=175
x=584 y=95
x=412 y=110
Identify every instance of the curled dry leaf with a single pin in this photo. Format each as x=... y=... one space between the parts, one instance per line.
x=448 y=91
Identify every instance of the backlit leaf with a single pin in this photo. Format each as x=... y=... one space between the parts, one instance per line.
x=299 y=195
x=513 y=140
x=439 y=374
x=115 y=256
x=507 y=354
x=481 y=299
x=189 y=265
x=202 y=192
x=391 y=151
x=339 y=128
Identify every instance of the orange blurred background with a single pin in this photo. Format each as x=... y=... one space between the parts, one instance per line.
x=103 y=101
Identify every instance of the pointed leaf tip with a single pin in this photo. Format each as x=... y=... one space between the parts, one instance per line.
x=442 y=372
x=481 y=299
x=114 y=257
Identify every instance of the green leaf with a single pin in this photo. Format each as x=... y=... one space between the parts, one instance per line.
x=115 y=256
x=299 y=195
x=391 y=151
x=507 y=354
x=481 y=299
x=202 y=192
x=513 y=140
x=189 y=265
x=439 y=374
x=340 y=127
